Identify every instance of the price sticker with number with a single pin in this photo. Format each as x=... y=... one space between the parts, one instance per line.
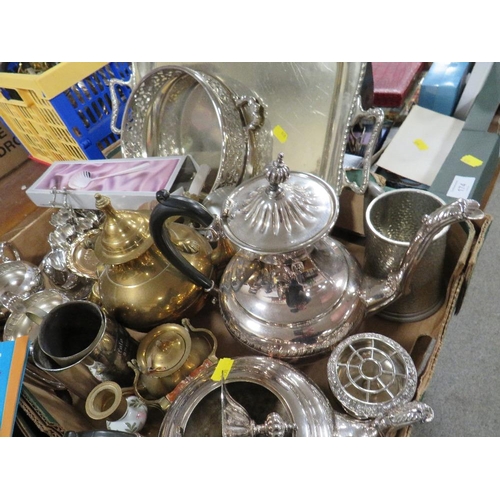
x=461 y=187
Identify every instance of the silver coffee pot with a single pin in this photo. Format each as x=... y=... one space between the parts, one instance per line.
x=291 y=291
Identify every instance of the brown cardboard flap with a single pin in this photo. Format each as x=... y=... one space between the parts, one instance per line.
x=31 y=236
x=51 y=414
x=12 y=152
x=481 y=233
x=422 y=339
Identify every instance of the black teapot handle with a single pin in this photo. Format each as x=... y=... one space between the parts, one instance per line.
x=178 y=206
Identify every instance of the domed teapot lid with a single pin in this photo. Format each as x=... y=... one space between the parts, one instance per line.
x=279 y=211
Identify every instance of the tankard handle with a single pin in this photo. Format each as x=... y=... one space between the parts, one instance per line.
x=178 y=206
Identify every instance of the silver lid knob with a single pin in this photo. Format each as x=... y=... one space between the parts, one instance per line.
x=277 y=173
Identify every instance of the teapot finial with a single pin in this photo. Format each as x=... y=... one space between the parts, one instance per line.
x=101 y=201
x=124 y=234
x=277 y=173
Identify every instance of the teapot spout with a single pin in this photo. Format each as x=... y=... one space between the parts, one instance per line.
x=379 y=293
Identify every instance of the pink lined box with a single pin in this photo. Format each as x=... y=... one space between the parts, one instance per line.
x=130 y=183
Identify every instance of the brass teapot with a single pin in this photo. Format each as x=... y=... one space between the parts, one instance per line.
x=136 y=284
x=292 y=291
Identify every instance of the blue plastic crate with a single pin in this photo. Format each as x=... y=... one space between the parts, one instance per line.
x=64 y=113
x=85 y=108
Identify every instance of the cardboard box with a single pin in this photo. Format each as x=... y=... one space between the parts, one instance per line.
x=393 y=81
x=420 y=147
x=466 y=162
x=486 y=103
x=475 y=82
x=51 y=413
x=470 y=167
x=12 y=152
x=31 y=236
x=443 y=85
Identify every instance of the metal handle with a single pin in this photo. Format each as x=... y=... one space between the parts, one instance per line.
x=456 y=211
x=178 y=206
x=7 y=245
x=115 y=105
x=384 y=292
x=413 y=412
x=255 y=111
x=12 y=302
x=377 y=114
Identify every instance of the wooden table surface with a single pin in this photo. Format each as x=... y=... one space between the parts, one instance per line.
x=15 y=205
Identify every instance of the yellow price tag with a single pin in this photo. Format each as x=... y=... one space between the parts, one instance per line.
x=280 y=134
x=420 y=144
x=222 y=369
x=472 y=161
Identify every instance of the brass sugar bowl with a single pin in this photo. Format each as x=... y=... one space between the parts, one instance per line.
x=136 y=284
x=168 y=357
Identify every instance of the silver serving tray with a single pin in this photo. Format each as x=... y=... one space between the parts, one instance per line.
x=309 y=109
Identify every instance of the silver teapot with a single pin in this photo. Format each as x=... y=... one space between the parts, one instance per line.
x=291 y=291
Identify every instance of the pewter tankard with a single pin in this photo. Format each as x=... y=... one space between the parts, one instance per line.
x=392 y=220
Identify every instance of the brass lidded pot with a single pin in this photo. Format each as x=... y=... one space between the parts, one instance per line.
x=167 y=358
x=136 y=284
x=162 y=352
